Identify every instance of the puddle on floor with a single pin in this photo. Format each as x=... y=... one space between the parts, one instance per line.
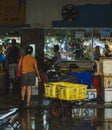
x=80 y=119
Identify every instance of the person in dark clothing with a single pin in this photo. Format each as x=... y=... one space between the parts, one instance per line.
x=107 y=51
x=13 y=53
x=97 y=54
x=57 y=58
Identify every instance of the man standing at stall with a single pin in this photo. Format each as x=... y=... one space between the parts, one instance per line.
x=57 y=58
x=13 y=54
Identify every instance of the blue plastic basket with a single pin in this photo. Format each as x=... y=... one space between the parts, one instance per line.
x=86 y=82
x=84 y=78
x=82 y=74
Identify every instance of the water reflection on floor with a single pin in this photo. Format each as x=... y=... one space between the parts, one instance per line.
x=81 y=119
x=40 y=118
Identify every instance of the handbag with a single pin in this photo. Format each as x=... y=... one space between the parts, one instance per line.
x=19 y=72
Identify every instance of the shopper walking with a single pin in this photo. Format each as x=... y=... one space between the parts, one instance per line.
x=13 y=54
x=29 y=72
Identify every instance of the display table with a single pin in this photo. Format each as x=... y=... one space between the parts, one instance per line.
x=76 y=66
x=75 y=70
x=80 y=70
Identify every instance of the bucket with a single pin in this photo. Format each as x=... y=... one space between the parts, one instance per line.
x=97 y=84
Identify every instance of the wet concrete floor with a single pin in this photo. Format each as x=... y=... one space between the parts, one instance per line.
x=91 y=116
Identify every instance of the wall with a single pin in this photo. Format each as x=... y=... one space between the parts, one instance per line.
x=34 y=36
x=41 y=13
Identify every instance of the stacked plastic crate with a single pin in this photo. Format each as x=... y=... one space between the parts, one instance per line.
x=106 y=70
x=65 y=91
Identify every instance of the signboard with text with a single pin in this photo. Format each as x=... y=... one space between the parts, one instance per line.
x=12 y=12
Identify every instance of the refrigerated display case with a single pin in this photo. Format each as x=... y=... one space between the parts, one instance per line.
x=77 y=46
x=78 y=43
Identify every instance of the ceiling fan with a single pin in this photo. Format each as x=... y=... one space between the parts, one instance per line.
x=69 y=12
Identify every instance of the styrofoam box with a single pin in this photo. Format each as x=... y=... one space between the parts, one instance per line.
x=108 y=119
x=107 y=81
x=36 y=82
x=106 y=65
x=108 y=125
x=98 y=70
x=107 y=94
x=34 y=90
x=108 y=114
x=91 y=94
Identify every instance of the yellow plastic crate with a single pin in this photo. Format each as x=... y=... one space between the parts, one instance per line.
x=67 y=93
x=65 y=90
x=82 y=91
x=51 y=88
x=75 y=92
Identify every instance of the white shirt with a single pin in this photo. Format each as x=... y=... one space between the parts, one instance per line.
x=58 y=61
